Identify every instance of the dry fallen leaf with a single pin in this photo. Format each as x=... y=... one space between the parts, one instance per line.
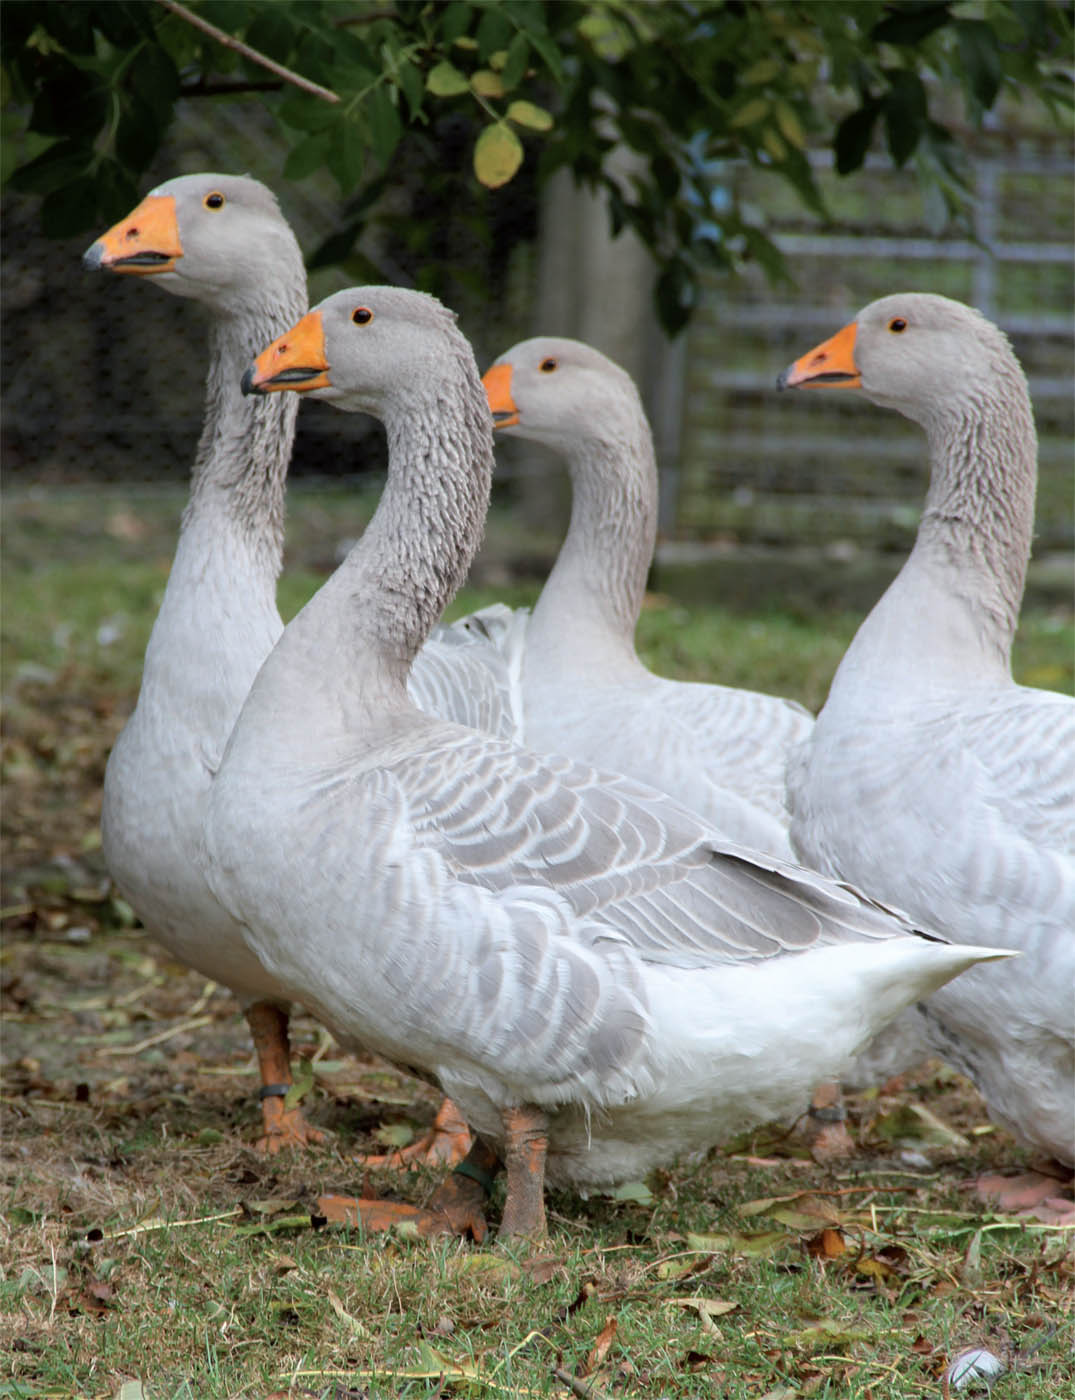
x=599 y=1351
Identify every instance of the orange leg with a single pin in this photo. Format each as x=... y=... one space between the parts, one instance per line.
x=454 y=1209
x=826 y=1132
x=284 y=1127
x=446 y=1143
x=526 y=1131
x=1039 y=1195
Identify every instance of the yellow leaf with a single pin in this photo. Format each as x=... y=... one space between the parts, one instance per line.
x=445 y=80
x=787 y=119
x=530 y=115
x=498 y=153
x=486 y=83
x=759 y=73
x=770 y=139
x=754 y=111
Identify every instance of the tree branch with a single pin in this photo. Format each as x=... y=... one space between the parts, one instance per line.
x=247 y=52
x=203 y=89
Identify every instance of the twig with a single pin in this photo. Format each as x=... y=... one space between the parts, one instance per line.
x=577 y=1387
x=156 y=1224
x=156 y=1039
x=229 y=42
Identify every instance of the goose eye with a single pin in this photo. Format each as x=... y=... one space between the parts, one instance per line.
x=547 y=366
x=362 y=316
x=897 y=325
x=214 y=200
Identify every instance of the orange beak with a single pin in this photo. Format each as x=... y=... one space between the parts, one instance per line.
x=295 y=360
x=497 y=383
x=146 y=242
x=830 y=366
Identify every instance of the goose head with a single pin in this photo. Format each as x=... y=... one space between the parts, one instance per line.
x=366 y=350
x=925 y=356
x=220 y=239
x=558 y=392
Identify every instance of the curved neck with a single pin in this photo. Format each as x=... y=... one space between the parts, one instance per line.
x=240 y=468
x=949 y=618
x=592 y=598
x=354 y=642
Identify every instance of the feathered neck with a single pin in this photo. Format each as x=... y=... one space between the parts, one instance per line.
x=594 y=594
x=948 y=620
x=362 y=630
x=240 y=468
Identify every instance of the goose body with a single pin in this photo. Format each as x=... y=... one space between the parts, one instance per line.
x=931 y=778
x=222 y=240
x=530 y=932
x=582 y=689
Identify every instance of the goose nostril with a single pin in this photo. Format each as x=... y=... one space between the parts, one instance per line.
x=132 y=232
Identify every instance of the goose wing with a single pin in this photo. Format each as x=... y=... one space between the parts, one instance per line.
x=622 y=854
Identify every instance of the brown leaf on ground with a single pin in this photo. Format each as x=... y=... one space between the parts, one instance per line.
x=829 y=1244
x=599 y=1351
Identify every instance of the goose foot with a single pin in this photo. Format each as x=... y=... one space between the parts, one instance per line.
x=375 y=1217
x=447 y=1142
x=283 y=1127
x=1039 y=1195
x=462 y=1194
x=826 y=1129
x=527 y=1143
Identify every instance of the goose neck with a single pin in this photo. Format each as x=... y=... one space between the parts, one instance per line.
x=240 y=468
x=377 y=610
x=595 y=591
x=977 y=525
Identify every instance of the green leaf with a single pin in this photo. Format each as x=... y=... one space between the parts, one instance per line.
x=272 y=32
x=636 y=1191
x=906 y=113
x=155 y=79
x=486 y=83
x=853 y=136
x=514 y=69
x=347 y=154
x=911 y=25
x=137 y=135
x=751 y=112
x=454 y=21
x=787 y=119
x=550 y=54
x=758 y=74
x=385 y=125
x=309 y=155
x=529 y=115
x=306 y=113
x=394 y=1134
x=53 y=168
x=980 y=57
x=70 y=209
x=409 y=77
x=498 y=153
x=676 y=294
x=494 y=32
x=445 y=80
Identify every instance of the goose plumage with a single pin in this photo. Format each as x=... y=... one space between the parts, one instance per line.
x=581 y=687
x=564 y=951
x=223 y=241
x=931 y=778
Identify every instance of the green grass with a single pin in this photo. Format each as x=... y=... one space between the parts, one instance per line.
x=142 y=1238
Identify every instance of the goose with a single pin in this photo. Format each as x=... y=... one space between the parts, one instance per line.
x=597 y=979
x=222 y=240
x=582 y=689
x=931 y=778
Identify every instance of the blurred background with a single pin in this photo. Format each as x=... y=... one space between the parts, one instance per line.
x=102 y=379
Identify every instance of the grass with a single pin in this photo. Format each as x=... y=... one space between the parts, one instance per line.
x=141 y=1238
